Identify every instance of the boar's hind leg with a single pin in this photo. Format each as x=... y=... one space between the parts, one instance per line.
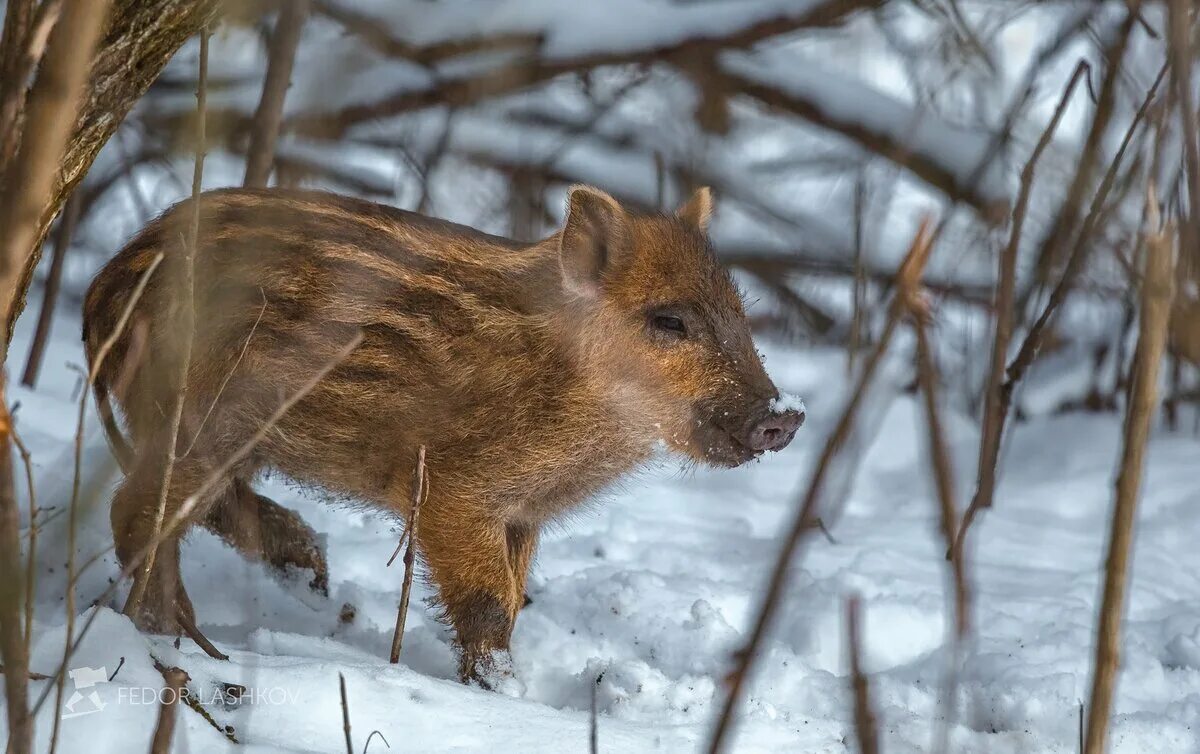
x=522 y=543
x=468 y=557
x=133 y=514
x=261 y=529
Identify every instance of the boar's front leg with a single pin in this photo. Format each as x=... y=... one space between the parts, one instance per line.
x=467 y=551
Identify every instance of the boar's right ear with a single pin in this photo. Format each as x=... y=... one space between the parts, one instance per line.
x=595 y=236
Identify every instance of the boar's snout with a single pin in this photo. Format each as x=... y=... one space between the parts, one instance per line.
x=774 y=431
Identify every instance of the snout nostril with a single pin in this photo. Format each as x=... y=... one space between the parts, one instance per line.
x=775 y=431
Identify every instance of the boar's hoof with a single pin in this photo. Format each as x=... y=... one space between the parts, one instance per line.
x=491 y=671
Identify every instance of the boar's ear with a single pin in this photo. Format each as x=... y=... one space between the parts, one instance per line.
x=595 y=236
x=698 y=210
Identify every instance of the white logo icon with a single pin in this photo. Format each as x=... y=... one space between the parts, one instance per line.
x=85 y=678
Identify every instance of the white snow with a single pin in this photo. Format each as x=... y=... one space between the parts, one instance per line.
x=653 y=588
x=786 y=402
x=577 y=29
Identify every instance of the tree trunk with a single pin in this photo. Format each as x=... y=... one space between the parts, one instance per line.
x=141 y=37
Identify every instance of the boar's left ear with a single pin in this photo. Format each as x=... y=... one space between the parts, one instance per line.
x=595 y=237
x=698 y=210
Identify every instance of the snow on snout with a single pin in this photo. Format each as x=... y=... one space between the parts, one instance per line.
x=786 y=402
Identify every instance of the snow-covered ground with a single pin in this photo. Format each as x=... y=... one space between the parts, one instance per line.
x=654 y=587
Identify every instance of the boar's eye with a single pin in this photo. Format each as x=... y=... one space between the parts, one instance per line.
x=669 y=325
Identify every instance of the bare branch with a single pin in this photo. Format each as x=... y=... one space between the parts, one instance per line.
x=1032 y=344
x=1006 y=285
x=27 y=186
x=264 y=131
x=31 y=554
x=528 y=69
x=925 y=163
x=53 y=104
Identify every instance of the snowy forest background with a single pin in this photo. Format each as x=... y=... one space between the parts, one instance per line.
x=1043 y=155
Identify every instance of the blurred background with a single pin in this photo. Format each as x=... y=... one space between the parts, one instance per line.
x=826 y=130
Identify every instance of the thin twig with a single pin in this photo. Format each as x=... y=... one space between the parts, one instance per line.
x=1066 y=221
x=41 y=336
x=193 y=702
x=371 y=737
x=910 y=272
x=943 y=475
x=228 y=375
x=221 y=473
x=420 y=490
x=31 y=554
x=865 y=727
x=345 y=714
x=1180 y=28
x=186 y=333
x=31 y=675
x=594 y=717
x=1157 y=292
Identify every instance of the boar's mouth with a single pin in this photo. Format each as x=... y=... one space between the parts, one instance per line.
x=721 y=446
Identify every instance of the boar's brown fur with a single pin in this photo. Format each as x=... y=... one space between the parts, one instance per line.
x=535 y=375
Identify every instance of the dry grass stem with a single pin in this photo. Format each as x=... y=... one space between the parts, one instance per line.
x=1158 y=289
x=345 y=713
x=866 y=728
x=943 y=476
x=31 y=552
x=420 y=491
x=164 y=731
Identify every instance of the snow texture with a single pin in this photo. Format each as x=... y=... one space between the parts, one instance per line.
x=652 y=589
